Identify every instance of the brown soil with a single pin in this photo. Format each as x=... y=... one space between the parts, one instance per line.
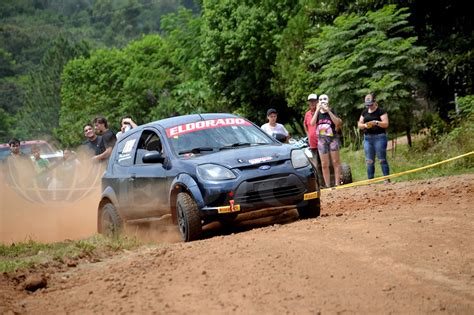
x=404 y=248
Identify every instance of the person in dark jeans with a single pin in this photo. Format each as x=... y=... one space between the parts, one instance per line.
x=374 y=122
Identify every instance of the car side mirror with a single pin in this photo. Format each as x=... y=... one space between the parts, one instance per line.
x=153 y=157
x=280 y=137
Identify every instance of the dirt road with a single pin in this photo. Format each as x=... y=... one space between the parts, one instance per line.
x=403 y=248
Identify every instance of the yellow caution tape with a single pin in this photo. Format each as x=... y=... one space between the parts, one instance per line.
x=379 y=179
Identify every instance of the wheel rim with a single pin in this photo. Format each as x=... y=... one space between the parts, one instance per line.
x=181 y=221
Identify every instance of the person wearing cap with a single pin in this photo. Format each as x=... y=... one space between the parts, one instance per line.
x=274 y=129
x=374 y=122
x=327 y=126
x=311 y=129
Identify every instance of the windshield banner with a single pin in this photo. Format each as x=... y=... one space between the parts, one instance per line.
x=205 y=124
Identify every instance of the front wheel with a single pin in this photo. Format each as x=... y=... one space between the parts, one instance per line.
x=189 y=222
x=311 y=210
x=110 y=223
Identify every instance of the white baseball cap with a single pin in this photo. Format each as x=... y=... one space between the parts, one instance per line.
x=312 y=97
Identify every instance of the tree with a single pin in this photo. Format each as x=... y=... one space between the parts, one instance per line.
x=40 y=113
x=136 y=81
x=373 y=52
x=182 y=34
x=239 y=51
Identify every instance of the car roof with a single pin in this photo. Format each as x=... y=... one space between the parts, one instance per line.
x=184 y=119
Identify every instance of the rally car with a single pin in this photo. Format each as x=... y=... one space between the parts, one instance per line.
x=202 y=168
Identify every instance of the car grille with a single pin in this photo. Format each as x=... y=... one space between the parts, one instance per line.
x=270 y=191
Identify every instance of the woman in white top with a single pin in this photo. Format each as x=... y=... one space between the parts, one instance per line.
x=274 y=129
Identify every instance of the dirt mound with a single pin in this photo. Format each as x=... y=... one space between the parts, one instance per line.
x=395 y=248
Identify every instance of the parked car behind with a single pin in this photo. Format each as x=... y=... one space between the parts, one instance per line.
x=203 y=168
x=46 y=150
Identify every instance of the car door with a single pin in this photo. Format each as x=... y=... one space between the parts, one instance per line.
x=148 y=181
x=120 y=178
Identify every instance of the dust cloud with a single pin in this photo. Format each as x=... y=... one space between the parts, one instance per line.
x=61 y=203
x=56 y=205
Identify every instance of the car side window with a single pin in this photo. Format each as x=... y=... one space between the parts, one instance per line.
x=125 y=150
x=149 y=142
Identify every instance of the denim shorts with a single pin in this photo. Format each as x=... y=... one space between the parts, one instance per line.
x=326 y=144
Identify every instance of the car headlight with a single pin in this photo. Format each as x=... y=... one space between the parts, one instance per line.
x=299 y=159
x=214 y=172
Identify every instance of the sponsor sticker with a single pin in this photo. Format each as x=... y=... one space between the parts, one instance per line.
x=205 y=124
x=228 y=209
x=260 y=160
x=312 y=195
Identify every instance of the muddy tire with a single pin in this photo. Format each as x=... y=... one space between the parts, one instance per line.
x=110 y=223
x=346 y=174
x=187 y=214
x=311 y=210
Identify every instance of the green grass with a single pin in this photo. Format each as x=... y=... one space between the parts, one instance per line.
x=423 y=152
x=24 y=255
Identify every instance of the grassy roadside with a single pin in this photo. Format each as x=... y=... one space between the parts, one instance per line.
x=25 y=255
x=425 y=151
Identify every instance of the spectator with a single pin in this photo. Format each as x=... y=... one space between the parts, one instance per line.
x=40 y=163
x=274 y=129
x=108 y=137
x=66 y=171
x=18 y=168
x=327 y=125
x=126 y=123
x=94 y=143
x=311 y=130
x=15 y=148
x=41 y=166
x=374 y=122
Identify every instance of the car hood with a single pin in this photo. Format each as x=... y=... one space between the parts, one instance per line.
x=246 y=156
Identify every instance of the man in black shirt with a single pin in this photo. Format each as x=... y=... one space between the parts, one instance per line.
x=94 y=142
x=108 y=137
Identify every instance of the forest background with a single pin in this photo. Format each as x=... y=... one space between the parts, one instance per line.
x=64 y=62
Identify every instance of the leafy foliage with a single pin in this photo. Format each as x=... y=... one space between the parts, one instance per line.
x=366 y=53
x=40 y=114
x=236 y=56
x=239 y=51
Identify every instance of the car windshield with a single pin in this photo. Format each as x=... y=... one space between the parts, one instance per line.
x=210 y=136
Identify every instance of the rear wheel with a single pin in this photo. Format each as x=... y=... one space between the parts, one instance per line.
x=110 y=223
x=189 y=222
x=311 y=210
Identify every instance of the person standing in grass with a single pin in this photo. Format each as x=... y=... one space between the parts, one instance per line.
x=374 y=123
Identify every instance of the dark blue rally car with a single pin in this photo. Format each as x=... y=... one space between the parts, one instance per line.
x=202 y=168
